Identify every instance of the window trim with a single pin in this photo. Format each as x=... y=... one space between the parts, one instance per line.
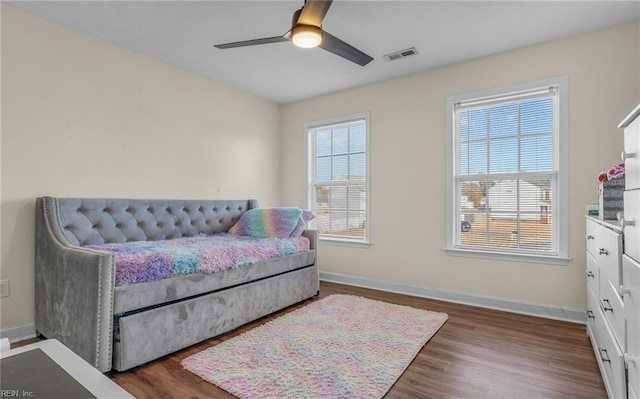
x=309 y=169
x=560 y=141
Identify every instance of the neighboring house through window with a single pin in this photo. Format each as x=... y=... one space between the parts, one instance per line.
x=338 y=177
x=507 y=172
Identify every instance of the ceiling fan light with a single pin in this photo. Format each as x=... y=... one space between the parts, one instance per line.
x=307 y=36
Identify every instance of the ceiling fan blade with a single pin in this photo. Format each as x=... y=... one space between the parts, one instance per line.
x=313 y=12
x=255 y=42
x=336 y=46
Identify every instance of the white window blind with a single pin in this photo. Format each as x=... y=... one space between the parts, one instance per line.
x=506 y=173
x=338 y=178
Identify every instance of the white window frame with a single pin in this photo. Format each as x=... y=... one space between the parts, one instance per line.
x=560 y=162
x=309 y=128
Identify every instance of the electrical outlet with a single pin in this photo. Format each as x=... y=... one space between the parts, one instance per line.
x=4 y=288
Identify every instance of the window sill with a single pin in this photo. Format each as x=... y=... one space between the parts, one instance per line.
x=345 y=242
x=528 y=258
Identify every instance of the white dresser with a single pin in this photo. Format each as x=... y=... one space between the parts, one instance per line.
x=613 y=280
x=630 y=285
x=605 y=307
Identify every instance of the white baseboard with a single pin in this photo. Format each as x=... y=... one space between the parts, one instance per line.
x=527 y=308
x=19 y=333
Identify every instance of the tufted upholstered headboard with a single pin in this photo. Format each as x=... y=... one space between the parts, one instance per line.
x=89 y=221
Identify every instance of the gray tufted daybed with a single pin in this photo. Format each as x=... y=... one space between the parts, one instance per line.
x=77 y=302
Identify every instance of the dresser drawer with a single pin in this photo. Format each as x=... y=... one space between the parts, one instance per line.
x=603 y=242
x=613 y=310
x=606 y=251
x=608 y=354
x=592 y=232
x=593 y=275
x=631 y=297
x=632 y=157
x=595 y=319
x=632 y=223
x=611 y=362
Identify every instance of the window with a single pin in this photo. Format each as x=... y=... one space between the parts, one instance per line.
x=338 y=177
x=507 y=168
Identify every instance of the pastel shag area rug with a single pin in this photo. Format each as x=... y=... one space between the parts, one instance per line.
x=342 y=346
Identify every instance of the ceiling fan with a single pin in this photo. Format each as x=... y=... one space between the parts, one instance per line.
x=306 y=31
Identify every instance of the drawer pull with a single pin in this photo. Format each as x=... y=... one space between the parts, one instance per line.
x=604 y=359
x=627 y=155
x=626 y=222
x=590 y=314
x=606 y=308
x=624 y=290
x=603 y=251
x=590 y=237
x=590 y=274
x=628 y=359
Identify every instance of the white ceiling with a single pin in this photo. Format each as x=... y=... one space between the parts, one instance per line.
x=182 y=33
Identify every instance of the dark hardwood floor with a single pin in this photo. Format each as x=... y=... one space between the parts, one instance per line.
x=478 y=353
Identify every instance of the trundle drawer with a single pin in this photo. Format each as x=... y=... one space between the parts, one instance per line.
x=150 y=334
x=632 y=223
x=631 y=289
x=613 y=310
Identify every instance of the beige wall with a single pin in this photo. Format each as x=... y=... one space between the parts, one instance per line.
x=81 y=117
x=408 y=142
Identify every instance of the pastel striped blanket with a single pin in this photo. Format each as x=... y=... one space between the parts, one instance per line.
x=144 y=261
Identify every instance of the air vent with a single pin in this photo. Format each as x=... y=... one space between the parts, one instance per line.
x=401 y=54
